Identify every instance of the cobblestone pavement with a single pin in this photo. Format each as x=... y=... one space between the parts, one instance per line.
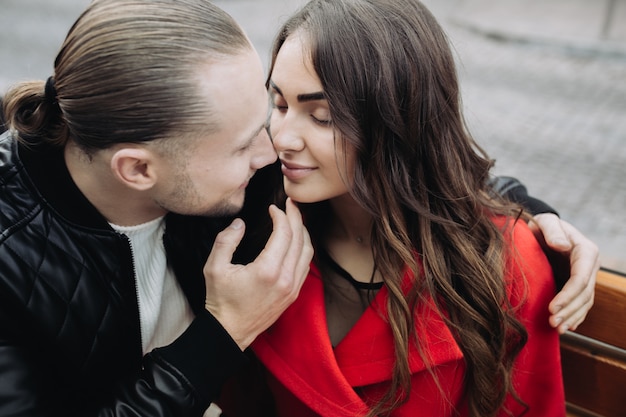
x=555 y=117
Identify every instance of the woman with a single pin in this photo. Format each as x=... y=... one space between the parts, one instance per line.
x=110 y=178
x=427 y=296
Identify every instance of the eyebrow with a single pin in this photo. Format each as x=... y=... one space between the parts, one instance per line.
x=302 y=98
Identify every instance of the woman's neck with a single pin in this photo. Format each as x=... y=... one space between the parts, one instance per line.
x=350 y=222
x=347 y=239
x=347 y=243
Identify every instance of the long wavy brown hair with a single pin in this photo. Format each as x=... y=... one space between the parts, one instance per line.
x=389 y=75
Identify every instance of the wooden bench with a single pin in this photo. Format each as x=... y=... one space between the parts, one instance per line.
x=594 y=356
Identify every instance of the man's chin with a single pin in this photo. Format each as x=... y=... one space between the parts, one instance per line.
x=226 y=209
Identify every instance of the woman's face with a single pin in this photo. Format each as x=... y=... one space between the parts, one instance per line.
x=314 y=167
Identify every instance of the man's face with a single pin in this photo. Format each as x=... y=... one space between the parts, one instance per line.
x=211 y=178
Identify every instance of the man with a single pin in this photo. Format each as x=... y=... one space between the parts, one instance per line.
x=155 y=107
x=117 y=294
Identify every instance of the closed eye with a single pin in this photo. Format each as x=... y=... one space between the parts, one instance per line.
x=280 y=104
x=277 y=101
x=322 y=122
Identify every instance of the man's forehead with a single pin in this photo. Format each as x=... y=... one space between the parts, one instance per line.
x=235 y=91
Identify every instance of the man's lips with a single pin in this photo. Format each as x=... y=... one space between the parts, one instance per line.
x=245 y=184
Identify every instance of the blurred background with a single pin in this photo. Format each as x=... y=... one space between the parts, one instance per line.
x=543 y=81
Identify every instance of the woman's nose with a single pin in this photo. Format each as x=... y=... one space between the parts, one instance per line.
x=285 y=134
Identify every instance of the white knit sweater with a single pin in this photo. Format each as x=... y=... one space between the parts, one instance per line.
x=164 y=311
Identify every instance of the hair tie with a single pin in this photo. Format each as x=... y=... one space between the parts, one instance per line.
x=50 y=91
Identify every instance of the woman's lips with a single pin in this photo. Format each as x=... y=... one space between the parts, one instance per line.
x=294 y=171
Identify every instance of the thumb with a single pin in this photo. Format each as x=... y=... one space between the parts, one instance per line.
x=550 y=226
x=226 y=242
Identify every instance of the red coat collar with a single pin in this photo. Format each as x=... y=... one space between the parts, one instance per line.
x=297 y=350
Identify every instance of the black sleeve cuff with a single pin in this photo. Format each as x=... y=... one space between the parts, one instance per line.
x=205 y=354
x=512 y=189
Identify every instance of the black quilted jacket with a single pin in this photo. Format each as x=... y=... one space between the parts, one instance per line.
x=69 y=323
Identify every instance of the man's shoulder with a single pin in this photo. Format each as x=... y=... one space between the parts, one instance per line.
x=34 y=236
x=8 y=155
x=17 y=202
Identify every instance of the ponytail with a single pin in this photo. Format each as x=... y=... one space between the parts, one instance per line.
x=32 y=109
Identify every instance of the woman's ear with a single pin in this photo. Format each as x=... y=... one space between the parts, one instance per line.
x=134 y=167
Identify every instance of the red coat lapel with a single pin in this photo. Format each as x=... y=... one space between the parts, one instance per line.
x=297 y=350
x=366 y=354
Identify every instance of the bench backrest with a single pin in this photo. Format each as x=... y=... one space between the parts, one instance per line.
x=594 y=356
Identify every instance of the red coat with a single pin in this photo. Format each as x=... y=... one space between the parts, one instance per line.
x=309 y=377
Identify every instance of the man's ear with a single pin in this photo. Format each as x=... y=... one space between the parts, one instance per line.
x=134 y=167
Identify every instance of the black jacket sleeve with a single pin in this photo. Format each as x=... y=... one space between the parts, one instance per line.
x=186 y=375
x=181 y=379
x=512 y=189
x=205 y=349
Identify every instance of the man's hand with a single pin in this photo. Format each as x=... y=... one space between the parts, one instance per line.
x=247 y=299
x=570 y=306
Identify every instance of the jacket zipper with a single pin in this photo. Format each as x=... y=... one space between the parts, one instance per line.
x=132 y=259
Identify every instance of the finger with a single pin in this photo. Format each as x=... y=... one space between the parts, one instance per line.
x=307 y=253
x=306 y=247
x=279 y=241
x=300 y=251
x=297 y=228
x=583 y=263
x=226 y=243
x=573 y=314
x=577 y=316
x=576 y=320
x=551 y=228
x=295 y=219
x=578 y=293
x=585 y=256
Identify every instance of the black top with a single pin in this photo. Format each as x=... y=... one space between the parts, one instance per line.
x=335 y=267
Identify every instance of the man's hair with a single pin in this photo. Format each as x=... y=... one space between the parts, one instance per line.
x=128 y=71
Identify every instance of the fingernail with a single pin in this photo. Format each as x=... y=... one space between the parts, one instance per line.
x=236 y=224
x=558 y=321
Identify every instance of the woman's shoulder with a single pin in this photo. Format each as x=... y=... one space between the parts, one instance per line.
x=528 y=271
x=519 y=239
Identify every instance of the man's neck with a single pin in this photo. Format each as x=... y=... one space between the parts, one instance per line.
x=118 y=203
